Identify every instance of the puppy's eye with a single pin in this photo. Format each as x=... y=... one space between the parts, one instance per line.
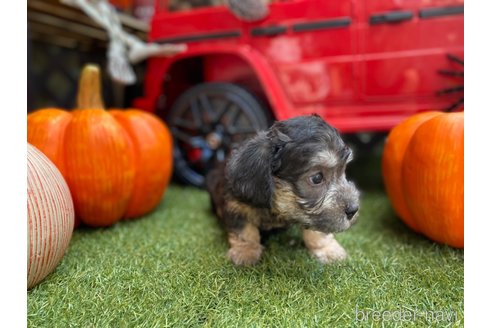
x=317 y=178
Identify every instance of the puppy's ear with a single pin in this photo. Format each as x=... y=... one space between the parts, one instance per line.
x=250 y=168
x=279 y=141
x=249 y=171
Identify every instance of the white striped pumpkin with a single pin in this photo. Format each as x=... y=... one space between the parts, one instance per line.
x=50 y=216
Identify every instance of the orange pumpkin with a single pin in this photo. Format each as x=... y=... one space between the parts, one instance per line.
x=105 y=165
x=392 y=160
x=422 y=166
x=47 y=128
x=153 y=158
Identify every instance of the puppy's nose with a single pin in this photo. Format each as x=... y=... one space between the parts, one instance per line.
x=351 y=210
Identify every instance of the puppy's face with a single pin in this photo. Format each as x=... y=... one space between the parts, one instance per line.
x=311 y=189
x=297 y=170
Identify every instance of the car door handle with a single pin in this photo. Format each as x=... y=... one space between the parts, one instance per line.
x=390 y=17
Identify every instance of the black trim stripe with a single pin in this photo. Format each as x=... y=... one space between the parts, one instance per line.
x=439 y=12
x=268 y=31
x=322 y=25
x=390 y=17
x=201 y=37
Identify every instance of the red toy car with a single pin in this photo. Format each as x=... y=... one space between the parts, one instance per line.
x=361 y=65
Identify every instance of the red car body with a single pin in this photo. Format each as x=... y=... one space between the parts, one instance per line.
x=361 y=65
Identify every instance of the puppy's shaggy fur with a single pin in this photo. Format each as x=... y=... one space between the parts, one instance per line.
x=294 y=173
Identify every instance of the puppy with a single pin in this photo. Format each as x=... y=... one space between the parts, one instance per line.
x=294 y=173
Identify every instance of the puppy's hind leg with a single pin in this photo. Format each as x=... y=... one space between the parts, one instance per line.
x=323 y=246
x=245 y=247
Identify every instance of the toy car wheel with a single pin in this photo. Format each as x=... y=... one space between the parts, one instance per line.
x=207 y=121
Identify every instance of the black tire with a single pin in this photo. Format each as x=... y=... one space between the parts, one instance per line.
x=207 y=121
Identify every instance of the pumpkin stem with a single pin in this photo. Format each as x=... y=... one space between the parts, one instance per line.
x=89 y=93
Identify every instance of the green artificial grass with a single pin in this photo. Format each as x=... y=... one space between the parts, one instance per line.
x=168 y=269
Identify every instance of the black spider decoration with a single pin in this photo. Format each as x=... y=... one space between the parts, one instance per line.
x=457 y=89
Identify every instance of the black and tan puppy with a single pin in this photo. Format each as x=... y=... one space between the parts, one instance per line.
x=294 y=173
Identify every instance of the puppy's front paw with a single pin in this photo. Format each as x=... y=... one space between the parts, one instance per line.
x=330 y=254
x=245 y=247
x=324 y=246
x=245 y=254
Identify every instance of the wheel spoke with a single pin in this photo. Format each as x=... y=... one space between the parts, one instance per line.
x=179 y=122
x=242 y=130
x=194 y=141
x=207 y=107
x=195 y=112
x=224 y=110
x=234 y=116
x=181 y=135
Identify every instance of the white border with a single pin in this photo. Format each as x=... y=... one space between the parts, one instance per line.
x=13 y=181
x=478 y=162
